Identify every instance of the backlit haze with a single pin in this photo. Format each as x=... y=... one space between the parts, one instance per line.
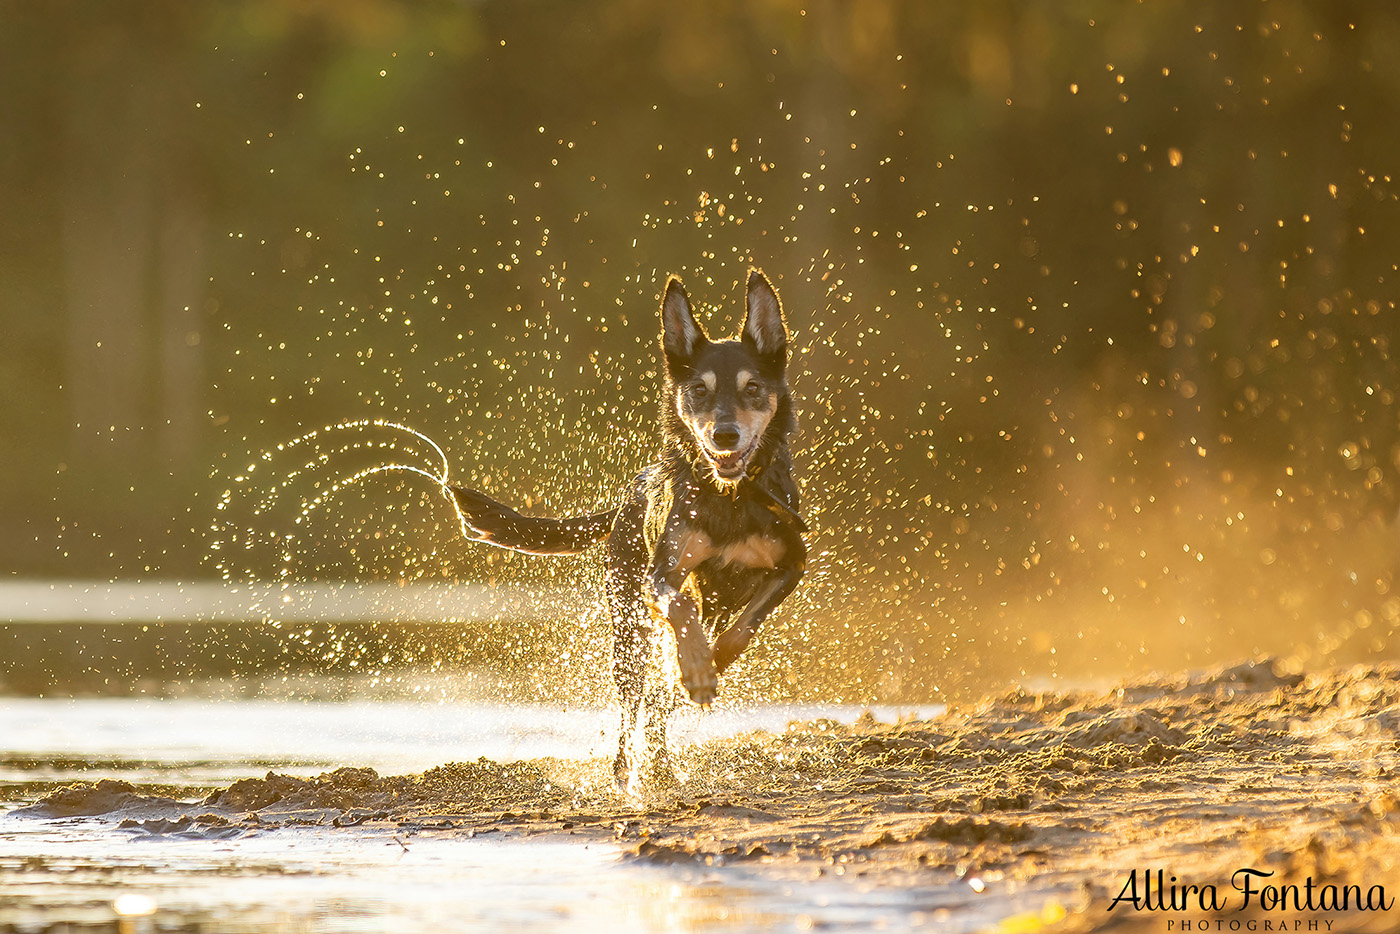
x=1091 y=308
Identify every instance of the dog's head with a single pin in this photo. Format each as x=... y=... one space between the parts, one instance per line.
x=727 y=400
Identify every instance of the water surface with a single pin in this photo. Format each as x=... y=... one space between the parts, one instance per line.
x=89 y=874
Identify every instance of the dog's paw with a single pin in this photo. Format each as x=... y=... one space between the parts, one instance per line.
x=655 y=774
x=623 y=778
x=704 y=689
x=703 y=696
x=699 y=677
x=697 y=665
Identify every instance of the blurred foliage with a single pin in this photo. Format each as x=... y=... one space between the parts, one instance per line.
x=1093 y=300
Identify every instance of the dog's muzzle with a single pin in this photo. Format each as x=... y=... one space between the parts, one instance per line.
x=723 y=453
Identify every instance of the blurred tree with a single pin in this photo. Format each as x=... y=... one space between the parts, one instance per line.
x=133 y=216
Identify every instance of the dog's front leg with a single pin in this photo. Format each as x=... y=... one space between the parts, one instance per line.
x=732 y=642
x=695 y=656
x=672 y=565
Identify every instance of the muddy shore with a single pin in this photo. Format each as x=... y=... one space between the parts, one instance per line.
x=1061 y=808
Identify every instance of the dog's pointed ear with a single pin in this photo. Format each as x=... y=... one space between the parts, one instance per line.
x=681 y=334
x=763 y=325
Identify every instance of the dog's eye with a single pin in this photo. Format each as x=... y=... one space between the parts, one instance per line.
x=699 y=390
x=753 y=388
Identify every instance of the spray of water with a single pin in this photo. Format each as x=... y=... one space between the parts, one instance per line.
x=291 y=516
x=1117 y=403
x=436 y=471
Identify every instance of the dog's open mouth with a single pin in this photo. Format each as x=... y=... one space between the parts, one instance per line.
x=728 y=465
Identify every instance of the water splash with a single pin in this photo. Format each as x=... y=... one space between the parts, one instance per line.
x=291 y=516
x=438 y=474
x=325 y=453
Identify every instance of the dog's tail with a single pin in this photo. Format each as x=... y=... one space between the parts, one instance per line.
x=496 y=524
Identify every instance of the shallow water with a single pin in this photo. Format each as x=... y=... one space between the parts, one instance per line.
x=206 y=742
x=87 y=874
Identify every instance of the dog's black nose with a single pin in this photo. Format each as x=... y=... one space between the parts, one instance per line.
x=725 y=438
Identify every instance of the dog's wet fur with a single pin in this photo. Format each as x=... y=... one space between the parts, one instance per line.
x=708 y=538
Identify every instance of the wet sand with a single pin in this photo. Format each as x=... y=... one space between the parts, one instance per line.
x=1033 y=811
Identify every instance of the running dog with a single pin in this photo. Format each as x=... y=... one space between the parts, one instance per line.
x=708 y=539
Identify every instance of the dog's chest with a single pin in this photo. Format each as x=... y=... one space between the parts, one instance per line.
x=758 y=550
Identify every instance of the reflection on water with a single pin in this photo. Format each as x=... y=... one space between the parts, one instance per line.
x=84 y=874
x=297 y=880
x=291 y=879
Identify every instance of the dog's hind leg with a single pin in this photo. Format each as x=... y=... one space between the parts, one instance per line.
x=631 y=647
x=631 y=637
x=659 y=702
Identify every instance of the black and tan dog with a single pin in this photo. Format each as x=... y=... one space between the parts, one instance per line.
x=708 y=538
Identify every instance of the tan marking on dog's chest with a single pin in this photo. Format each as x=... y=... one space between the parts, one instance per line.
x=695 y=549
x=756 y=551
